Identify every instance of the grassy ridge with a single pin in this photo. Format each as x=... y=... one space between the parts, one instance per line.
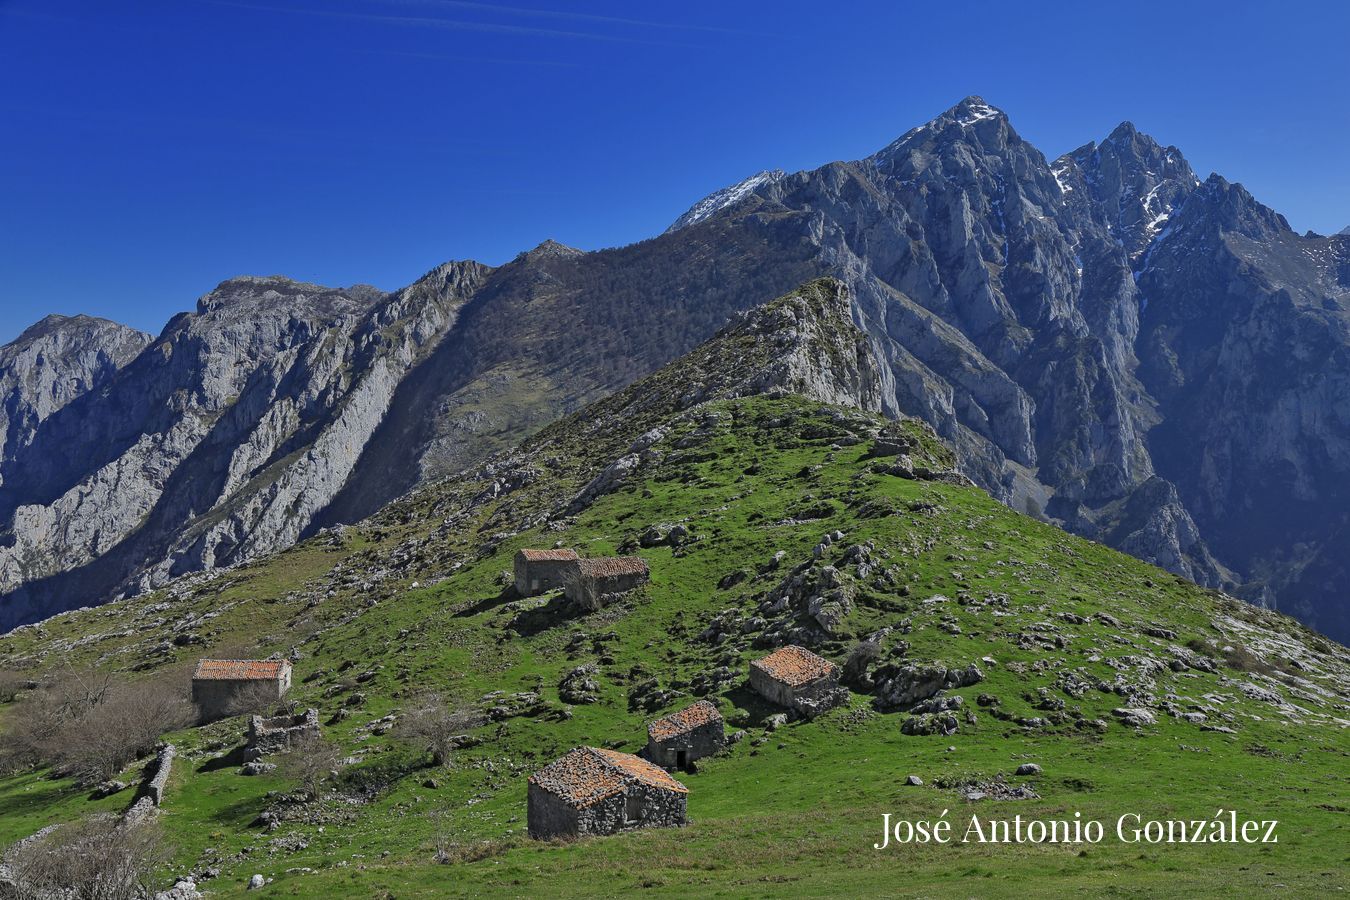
x=413 y=600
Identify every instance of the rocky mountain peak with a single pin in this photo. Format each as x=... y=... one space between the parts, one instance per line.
x=54 y=362
x=551 y=249
x=250 y=292
x=1132 y=184
x=972 y=122
x=1345 y=230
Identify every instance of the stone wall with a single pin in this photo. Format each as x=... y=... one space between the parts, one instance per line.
x=705 y=740
x=548 y=815
x=808 y=700
x=638 y=806
x=592 y=592
x=218 y=698
x=540 y=575
x=151 y=792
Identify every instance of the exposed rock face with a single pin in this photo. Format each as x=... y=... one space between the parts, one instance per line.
x=1144 y=359
x=216 y=444
x=52 y=363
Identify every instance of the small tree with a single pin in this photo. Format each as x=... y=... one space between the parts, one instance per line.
x=309 y=761
x=433 y=724
x=100 y=858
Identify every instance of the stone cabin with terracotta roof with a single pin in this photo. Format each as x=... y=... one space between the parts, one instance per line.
x=218 y=685
x=594 y=791
x=795 y=677
x=538 y=571
x=590 y=583
x=675 y=741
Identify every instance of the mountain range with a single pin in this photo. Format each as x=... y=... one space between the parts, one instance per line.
x=1108 y=342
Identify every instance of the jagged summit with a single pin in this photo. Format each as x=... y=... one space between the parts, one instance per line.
x=972 y=121
x=1129 y=181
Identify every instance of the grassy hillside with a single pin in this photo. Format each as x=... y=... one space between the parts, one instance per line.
x=1064 y=632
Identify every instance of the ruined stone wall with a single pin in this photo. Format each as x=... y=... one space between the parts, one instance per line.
x=279 y=733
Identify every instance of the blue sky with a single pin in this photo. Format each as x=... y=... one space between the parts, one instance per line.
x=149 y=150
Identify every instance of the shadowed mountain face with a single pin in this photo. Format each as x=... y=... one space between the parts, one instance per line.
x=1108 y=343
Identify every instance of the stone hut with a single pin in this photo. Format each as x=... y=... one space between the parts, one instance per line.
x=593 y=791
x=678 y=739
x=218 y=685
x=278 y=733
x=795 y=677
x=538 y=571
x=589 y=582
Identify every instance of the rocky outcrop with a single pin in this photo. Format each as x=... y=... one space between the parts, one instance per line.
x=217 y=444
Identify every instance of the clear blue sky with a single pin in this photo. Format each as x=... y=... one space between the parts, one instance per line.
x=151 y=149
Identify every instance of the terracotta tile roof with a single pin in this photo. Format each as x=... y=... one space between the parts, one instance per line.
x=240 y=669
x=588 y=775
x=686 y=720
x=548 y=555
x=636 y=768
x=613 y=565
x=795 y=665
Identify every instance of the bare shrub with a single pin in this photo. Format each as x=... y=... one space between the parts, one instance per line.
x=860 y=659
x=100 y=858
x=90 y=725
x=310 y=760
x=253 y=699
x=10 y=685
x=432 y=723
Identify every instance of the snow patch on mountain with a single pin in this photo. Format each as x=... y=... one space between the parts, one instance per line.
x=719 y=200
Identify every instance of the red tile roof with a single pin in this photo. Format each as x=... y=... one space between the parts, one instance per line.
x=588 y=775
x=795 y=666
x=684 y=721
x=613 y=565
x=548 y=555
x=240 y=669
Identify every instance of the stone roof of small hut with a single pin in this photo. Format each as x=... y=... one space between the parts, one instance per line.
x=548 y=555
x=239 y=669
x=588 y=775
x=613 y=565
x=795 y=665
x=684 y=721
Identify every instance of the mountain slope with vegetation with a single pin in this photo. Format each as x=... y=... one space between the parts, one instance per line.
x=1107 y=342
x=804 y=516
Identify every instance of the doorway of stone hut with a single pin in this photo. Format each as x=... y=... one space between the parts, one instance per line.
x=633 y=809
x=682 y=759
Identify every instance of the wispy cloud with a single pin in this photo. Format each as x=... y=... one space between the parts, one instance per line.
x=566 y=15
x=445 y=24
x=476 y=60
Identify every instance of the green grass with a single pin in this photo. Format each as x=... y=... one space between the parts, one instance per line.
x=795 y=814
